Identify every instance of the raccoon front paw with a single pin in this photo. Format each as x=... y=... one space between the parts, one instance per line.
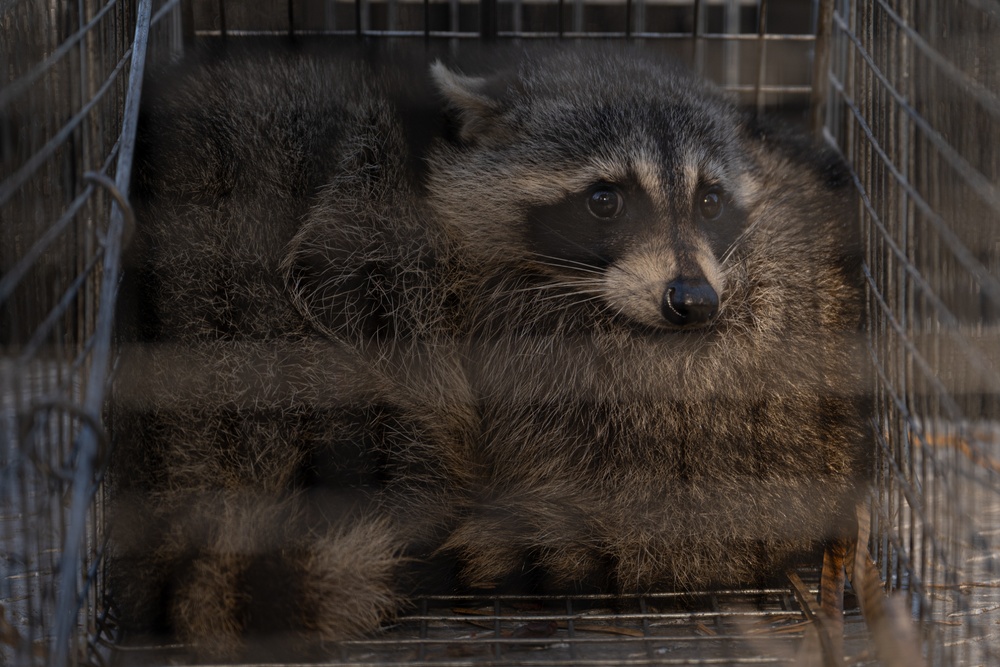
x=514 y=556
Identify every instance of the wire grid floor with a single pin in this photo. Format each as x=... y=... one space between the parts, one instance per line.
x=750 y=626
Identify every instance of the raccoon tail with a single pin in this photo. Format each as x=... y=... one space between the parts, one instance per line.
x=264 y=585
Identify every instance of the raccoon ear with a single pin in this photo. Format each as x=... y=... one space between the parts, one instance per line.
x=477 y=111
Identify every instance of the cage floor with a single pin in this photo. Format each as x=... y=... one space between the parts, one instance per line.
x=735 y=627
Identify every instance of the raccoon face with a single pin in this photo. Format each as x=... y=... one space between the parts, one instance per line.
x=619 y=182
x=653 y=269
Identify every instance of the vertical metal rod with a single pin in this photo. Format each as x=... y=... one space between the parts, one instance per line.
x=697 y=30
x=357 y=17
x=646 y=636
x=222 y=18
x=85 y=47
x=488 y=20
x=639 y=20
x=733 y=47
x=560 y=27
x=571 y=629
x=187 y=20
x=391 y=14
x=329 y=15
x=761 y=55
x=291 y=18
x=628 y=18
x=87 y=452
x=497 y=646
x=422 y=648
x=821 y=66
x=427 y=19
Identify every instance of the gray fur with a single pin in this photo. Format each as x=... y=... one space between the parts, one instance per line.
x=360 y=368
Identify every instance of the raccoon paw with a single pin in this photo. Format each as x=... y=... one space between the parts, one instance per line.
x=500 y=555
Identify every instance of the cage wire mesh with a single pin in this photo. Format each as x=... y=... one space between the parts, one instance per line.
x=912 y=100
x=915 y=106
x=760 y=54
x=69 y=75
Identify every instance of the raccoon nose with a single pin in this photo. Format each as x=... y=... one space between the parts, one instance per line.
x=689 y=302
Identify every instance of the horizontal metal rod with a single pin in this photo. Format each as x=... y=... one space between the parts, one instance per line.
x=445 y=34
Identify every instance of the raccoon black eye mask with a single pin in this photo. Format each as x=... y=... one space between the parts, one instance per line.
x=588 y=228
x=593 y=229
x=432 y=337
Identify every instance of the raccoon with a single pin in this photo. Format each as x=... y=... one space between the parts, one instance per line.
x=579 y=324
x=664 y=327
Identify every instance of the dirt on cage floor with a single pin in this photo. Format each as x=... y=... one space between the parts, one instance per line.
x=734 y=627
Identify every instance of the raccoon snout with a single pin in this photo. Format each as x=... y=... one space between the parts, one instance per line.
x=688 y=302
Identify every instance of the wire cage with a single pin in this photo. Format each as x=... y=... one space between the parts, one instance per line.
x=914 y=106
x=64 y=155
x=908 y=91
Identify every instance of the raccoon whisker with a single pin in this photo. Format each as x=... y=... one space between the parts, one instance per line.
x=569 y=286
x=738 y=240
x=563 y=263
x=562 y=302
x=579 y=285
x=732 y=247
x=571 y=301
x=579 y=245
x=593 y=275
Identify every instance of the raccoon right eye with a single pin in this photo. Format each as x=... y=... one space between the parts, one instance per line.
x=710 y=203
x=605 y=202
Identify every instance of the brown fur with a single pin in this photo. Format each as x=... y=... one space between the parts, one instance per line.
x=359 y=368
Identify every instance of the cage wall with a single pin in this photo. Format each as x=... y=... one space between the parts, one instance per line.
x=760 y=49
x=915 y=108
x=69 y=89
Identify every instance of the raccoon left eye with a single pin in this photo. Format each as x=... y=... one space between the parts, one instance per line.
x=605 y=202
x=710 y=203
